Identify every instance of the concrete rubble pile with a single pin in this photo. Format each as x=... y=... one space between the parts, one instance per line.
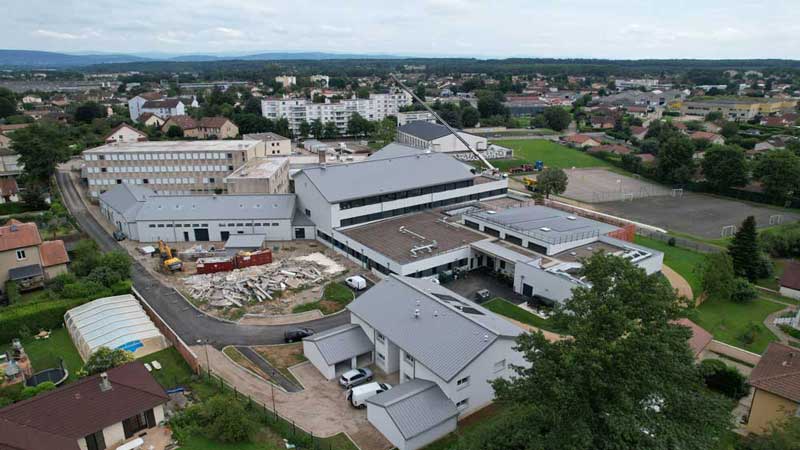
x=260 y=283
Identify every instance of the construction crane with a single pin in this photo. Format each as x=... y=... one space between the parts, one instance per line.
x=446 y=125
x=170 y=262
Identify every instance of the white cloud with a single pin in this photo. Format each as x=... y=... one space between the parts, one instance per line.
x=56 y=34
x=229 y=32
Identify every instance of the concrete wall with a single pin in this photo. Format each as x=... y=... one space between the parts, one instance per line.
x=54 y=271
x=144 y=233
x=767 y=409
x=311 y=352
x=380 y=419
x=544 y=283
x=791 y=293
x=113 y=435
x=309 y=198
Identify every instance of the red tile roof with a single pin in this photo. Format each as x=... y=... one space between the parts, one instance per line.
x=185 y=122
x=18 y=235
x=704 y=135
x=638 y=130
x=53 y=253
x=80 y=408
x=778 y=372
x=578 y=138
x=213 y=122
x=611 y=148
x=791 y=275
x=700 y=337
x=8 y=186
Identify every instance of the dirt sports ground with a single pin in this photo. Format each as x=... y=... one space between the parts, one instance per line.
x=696 y=214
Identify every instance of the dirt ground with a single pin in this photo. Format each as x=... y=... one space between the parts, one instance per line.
x=696 y=214
x=603 y=185
x=282 y=356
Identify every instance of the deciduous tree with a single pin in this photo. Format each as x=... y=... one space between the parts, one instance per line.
x=551 y=181
x=725 y=166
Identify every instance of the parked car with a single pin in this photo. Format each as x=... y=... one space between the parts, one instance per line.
x=483 y=295
x=297 y=334
x=119 y=235
x=358 y=395
x=356 y=282
x=355 y=377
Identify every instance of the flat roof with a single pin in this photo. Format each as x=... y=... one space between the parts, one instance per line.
x=585 y=251
x=269 y=136
x=396 y=237
x=545 y=224
x=258 y=168
x=174 y=146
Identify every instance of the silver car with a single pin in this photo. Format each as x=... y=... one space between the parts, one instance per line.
x=355 y=377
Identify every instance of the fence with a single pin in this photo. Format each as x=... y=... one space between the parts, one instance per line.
x=269 y=416
x=169 y=333
x=688 y=244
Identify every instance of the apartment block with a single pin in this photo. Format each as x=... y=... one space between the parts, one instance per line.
x=174 y=167
x=744 y=108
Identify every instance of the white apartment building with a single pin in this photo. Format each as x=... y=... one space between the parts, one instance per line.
x=286 y=80
x=414 y=116
x=163 y=108
x=177 y=167
x=322 y=80
x=299 y=110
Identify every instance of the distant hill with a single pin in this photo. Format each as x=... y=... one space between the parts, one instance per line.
x=39 y=59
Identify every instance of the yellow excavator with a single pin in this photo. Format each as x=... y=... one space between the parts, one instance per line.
x=530 y=183
x=170 y=262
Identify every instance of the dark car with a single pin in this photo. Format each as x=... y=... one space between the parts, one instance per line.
x=297 y=334
x=119 y=235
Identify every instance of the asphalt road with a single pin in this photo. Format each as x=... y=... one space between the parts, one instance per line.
x=190 y=324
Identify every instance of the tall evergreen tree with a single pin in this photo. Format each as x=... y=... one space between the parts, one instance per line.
x=744 y=250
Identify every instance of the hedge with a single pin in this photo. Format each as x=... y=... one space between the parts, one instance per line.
x=12 y=292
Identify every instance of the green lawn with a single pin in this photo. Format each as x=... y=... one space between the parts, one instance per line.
x=334 y=298
x=772 y=282
x=738 y=324
x=505 y=308
x=46 y=353
x=553 y=154
x=202 y=443
x=681 y=260
x=474 y=424
x=174 y=369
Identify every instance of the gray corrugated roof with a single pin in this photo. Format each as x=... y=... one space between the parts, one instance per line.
x=382 y=176
x=533 y=218
x=426 y=131
x=245 y=241
x=415 y=406
x=395 y=150
x=492 y=248
x=126 y=199
x=217 y=207
x=19 y=273
x=341 y=343
x=443 y=338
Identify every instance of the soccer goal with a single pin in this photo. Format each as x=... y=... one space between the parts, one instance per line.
x=677 y=192
x=728 y=230
x=776 y=219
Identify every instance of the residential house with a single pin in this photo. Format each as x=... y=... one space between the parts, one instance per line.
x=125 y=133
x=26 y=259
x=32 y=99
x=638 y=132
x=790 y=280
x=94 y=413
x=647 y=158
x=603 y=122
x=713 y=138
x=581 y=140
x=153 y=103
x=444 y=348
x=610 y=148
x=151 y=120
x=205 y=128
x=776 y=381
x=276 y=144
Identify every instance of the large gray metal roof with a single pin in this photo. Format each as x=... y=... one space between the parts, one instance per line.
x=449 y=332
x=424 y=130
x=386 y=175
x=395 y=150
x=341 y=343
x=249 y=241
x=141 y=204
x=545 y=224
x=415 y=406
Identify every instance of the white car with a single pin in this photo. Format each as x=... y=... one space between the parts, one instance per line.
x=355 y=377
x=358 y=395
x=356 y=282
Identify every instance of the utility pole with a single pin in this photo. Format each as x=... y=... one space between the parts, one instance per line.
x=480 y=157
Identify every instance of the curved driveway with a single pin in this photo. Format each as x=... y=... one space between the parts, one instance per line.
x=190 y=324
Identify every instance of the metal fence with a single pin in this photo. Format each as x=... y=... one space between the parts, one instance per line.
x=688 y=244
x=269 y=417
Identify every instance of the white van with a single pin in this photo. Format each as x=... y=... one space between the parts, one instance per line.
x=358 y=395
x=357 y=282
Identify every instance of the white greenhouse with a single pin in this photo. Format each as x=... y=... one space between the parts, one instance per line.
x=113 y=322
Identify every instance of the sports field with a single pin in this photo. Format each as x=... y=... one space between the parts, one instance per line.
x=553 y=154
x=602 y=185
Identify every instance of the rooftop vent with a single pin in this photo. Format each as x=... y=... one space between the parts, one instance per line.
x=416 y=313
x=491 y=212
x=485 y=338
x=545 y=229
x=105 y=385
x=571 y=218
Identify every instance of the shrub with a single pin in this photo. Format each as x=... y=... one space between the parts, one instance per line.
x=220 y=418
x=25 y=318
x=29 y=392
x=57 y=283
x=726 y=380
x=790 y=330
x=743 y=291
x=85 y=288
x=12 y=292
x=750 y=334
x=104 y=358
x=121 y=287
x=671 y=242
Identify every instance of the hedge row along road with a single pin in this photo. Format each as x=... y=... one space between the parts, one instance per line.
x=190 y=324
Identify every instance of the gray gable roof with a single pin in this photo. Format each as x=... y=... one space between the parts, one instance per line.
x=450 y=331
x=395 y=150
x=341 y=343
x=126 y=199
x=386 y=175
x=415 y=406
x=424 y=130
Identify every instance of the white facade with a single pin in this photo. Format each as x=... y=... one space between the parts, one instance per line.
x=113 y=435
x=789 y=292
x=126 y=134
x=136 y=107
x=297 y=111
x=381 y=420
x=286 y=80
x=446 y=144
x=414 y=116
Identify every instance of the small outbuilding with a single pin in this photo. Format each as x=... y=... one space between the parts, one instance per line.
x=338 y=350
x=790 y=280
x=413 y=414
x=113 y=322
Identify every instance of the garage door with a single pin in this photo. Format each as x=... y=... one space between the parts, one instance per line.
x=201 y=234
x=342 y=367
x=364 y=360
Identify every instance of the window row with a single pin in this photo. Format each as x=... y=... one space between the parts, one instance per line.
x=404 y=194
x=156 y=156
x=157 y=169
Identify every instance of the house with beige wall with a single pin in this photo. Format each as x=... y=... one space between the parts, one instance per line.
x=776 y=381
x=275 y=143
x=205 y=128
x=26 y=259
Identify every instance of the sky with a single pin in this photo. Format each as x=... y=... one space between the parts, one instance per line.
x=632 y=29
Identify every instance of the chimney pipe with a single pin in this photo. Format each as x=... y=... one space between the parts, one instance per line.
x=105 y=384
x=416 y=313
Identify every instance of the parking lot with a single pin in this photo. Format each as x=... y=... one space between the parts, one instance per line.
x=696 y=214
x=473 y=281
